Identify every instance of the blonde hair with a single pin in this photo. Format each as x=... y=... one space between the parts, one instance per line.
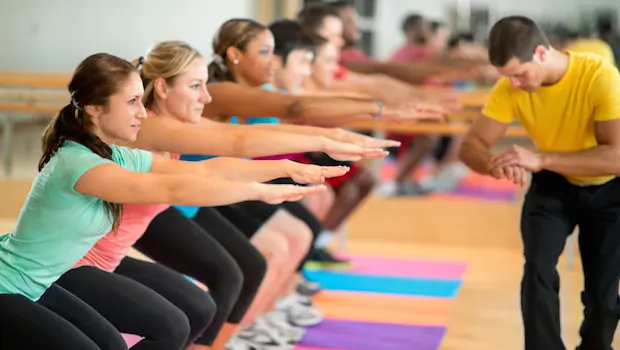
x=236 y=32
x=166 y=60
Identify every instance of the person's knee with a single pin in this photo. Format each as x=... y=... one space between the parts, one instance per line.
x=253 y=267
x=174 y=329
x=202 y=312
x=298 y=238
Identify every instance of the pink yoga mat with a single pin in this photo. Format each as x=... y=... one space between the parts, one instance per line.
x=371 y=265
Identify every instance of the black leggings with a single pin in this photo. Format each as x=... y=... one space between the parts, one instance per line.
x=195 y=303
x=130 y=306
x=220 y=257
x=261 y=212
x=59 y=320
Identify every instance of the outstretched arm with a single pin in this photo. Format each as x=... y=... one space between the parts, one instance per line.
x=219 y=139
x=113 y=183
x=259 y=102
x=235 y=169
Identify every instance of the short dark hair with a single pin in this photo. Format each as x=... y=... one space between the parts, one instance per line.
x=412 y=20
x=515 y=37
x=460 y=38
x=290 y=36
x=436 y=25
x=312 y=16
x=341 y=4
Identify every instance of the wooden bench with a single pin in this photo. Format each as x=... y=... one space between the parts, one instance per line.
x=26 y=97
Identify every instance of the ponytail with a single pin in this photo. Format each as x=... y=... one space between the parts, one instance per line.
x=218 y=71
x=72 y=124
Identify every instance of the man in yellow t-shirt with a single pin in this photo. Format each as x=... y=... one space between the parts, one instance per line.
x=593 y=46
x=569 y=103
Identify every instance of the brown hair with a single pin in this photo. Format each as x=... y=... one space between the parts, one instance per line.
x=167 y=60
x=515 y=37
x=236 y=32
x=95 y=79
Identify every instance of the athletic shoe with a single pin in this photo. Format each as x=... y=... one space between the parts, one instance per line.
x=263 y=337
x=278 y=321
x=300 y=315
x=308 y=288
x=321 y=258
x=236 y=343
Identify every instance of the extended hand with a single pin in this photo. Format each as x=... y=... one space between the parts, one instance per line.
x=363 y=140
x=313 y=174
x=417 y=111
x=276 y=194
x=344 y=151
x=517 y=155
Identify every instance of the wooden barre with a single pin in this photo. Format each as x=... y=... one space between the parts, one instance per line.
x=20 y=107
x=426 y=128
x=33 y=80
x=34 y=97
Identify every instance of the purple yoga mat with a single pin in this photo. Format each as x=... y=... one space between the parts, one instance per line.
x=486 y=193
x=351 y=335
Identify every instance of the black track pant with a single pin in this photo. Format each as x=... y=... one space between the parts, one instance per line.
x=219 y=256
x=130 y=306
x=59 y=320
x=552 y=208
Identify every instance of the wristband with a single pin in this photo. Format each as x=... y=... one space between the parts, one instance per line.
x=380 y=105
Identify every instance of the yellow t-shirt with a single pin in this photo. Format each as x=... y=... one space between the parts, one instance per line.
x=593 y=46
x=561 y=117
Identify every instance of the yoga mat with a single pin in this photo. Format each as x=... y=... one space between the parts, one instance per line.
x=381 y=308
x=385 y=285
x=312 y=348
x=485 y=193
x=372 y=265
x=351 y=335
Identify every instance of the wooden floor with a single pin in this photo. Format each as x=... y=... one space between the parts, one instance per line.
x=485 y=234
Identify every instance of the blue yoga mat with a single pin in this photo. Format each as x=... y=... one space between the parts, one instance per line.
x=384 y=284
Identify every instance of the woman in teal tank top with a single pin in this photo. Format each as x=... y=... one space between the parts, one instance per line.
x=76 y=199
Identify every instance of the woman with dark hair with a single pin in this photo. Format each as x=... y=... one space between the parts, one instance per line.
x=76 y=199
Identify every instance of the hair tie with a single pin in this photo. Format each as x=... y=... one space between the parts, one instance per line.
x=219 y=60
x=140 y=62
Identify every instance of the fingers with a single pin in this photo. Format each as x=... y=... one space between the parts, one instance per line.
x=380 y=143
x=333 y=171
x=505 y=159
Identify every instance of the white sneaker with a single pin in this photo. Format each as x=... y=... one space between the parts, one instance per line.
x=278 y=320
x=308 y=288
x=300 y=315
x=236 y=343
x=263 y=337
x=296 y=298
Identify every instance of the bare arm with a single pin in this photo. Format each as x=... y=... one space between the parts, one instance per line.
x=231 y=99
x=476 y=148
x=221 y=139
x=210 y=138
x=603 y=159
x=112 y=183
x=247 y=170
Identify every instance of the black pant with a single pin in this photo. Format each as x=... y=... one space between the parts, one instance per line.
x=262 y=211
x=59 y=320
x=130 y=306
x=195 y=303
x=552 y=209
x=233 y=275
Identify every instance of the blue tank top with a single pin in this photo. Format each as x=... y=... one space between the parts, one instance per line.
x=190 y=211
